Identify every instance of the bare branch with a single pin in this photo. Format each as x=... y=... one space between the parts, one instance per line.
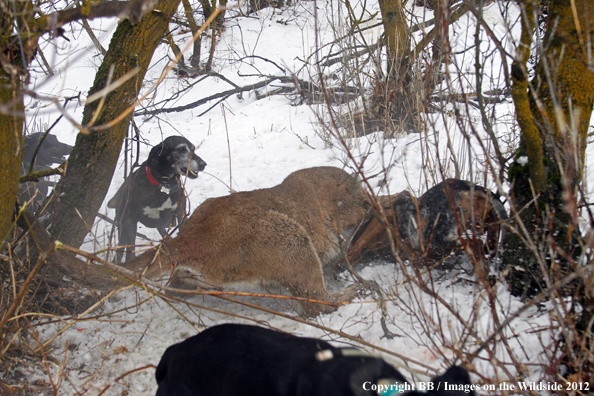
x=35 y=176
x=202 y=101
x=132 y=10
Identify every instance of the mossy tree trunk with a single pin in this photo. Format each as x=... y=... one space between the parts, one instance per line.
x=553 y=112
x=15 y=54
x=11 y=129
x=94 y=157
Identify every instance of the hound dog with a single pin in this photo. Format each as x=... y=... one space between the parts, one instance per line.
x=450 y=215
x=153 y=194
x=235 y=359
x=51 y=151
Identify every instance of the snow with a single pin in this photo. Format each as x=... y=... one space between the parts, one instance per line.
x=523 y=160
x=252 y=143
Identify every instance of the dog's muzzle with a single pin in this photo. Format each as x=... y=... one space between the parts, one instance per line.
x=197 y=164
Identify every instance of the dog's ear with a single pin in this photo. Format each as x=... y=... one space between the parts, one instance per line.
x=156 y=151
x=161 y=371
x=171 y=378
x=455 y=375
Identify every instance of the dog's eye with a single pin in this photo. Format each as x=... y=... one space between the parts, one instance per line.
x=181 y=149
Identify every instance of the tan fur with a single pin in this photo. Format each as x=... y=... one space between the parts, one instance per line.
x=276 y=237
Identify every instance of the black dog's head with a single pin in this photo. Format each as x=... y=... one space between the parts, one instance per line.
x=173 y=157
x=52 y=151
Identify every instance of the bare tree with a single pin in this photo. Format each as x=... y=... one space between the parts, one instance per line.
x=21 y=26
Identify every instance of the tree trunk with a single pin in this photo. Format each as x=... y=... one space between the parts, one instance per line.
x=397 y=35
x=195 y=58
x=94 y=157
x=11 y=141
x=394 y=101
x=553 y=112
x=441 y=42
x=15 y=55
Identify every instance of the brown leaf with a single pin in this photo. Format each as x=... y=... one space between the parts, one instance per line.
x=119 y=350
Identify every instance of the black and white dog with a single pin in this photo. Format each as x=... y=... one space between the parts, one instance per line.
x=449 y=215
x=153 y=194
x=51 y=151
x=234 y=359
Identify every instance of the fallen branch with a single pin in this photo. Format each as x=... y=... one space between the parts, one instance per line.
x=490 y=97
x=200 y=102
x=302 y=86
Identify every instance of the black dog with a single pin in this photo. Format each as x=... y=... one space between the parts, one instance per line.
x=450 y=209
x=153 y=194
x=435 y=225
x=51 y=151
x=234 y=359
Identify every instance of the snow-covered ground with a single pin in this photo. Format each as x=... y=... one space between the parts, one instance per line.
x=254 y=142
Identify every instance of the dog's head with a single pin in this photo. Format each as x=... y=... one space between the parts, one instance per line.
x=52 y=151
x=175 y=156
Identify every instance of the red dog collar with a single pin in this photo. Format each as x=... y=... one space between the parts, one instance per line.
x=150 y=176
